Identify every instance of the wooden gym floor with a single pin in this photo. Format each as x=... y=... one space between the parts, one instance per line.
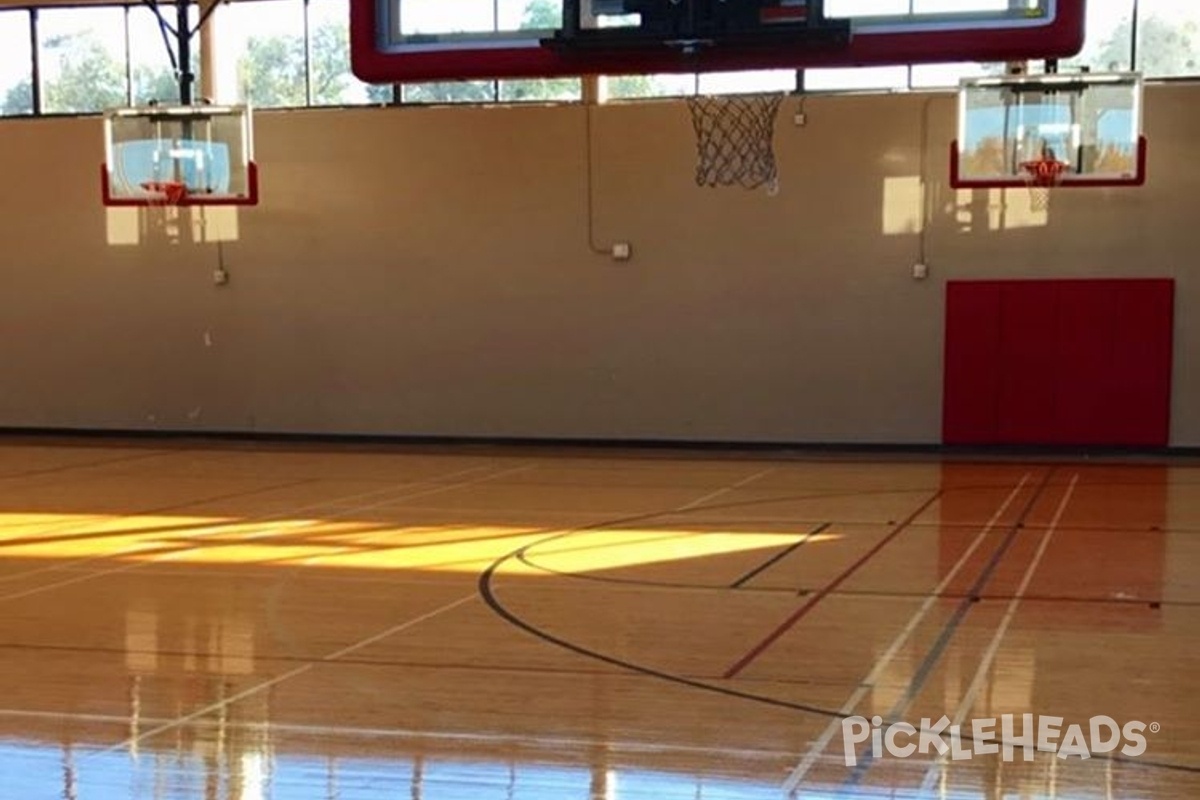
x=204 y=620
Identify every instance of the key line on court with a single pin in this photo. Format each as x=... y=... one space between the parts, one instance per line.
x=868 y=684
x=938 y=649
x=201 y=542
x=824 y=591
x=989 y=654
x=133 y=741
x=780 y=556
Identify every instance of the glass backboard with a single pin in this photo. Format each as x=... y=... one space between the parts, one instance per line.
x=1070 y=130
x=179 y=155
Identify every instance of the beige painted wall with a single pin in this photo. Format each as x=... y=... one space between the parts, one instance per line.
x=428 y=272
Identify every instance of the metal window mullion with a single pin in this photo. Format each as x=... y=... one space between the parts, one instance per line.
x=1133 y=36
x=128 y=62
x=308 y=50
x=36 y=65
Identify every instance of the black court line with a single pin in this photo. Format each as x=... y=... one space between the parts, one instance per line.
x=782 y=554
x=105 y=462
x=889 y=594
x=938 y=649
x=486 y=586
x=815 y=598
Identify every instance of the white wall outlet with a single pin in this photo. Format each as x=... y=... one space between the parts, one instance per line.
x=920 y=271
x=220 y=277
x=622 y=251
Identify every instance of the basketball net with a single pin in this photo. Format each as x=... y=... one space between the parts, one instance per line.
x=166 y=193
x=1042 y=175
x=735 y=140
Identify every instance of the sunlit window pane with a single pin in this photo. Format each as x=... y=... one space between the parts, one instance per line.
x=515 y=15
x=16 y=67
x=265 y=40
x=1168 y=41
x=748 y=82
x=1109 y=43
x=861 y=78
x=332 y=81
x=151 y=64
x=449 y=92
x=628 y=87
x=429 y=16
x=938 y=76
x=541 y=90
x=82 y=52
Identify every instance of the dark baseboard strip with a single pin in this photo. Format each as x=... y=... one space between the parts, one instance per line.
x=776 y=449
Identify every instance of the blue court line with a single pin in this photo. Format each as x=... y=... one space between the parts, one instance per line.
x=951 y=627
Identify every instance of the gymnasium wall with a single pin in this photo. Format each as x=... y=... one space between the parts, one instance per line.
x=423 y=271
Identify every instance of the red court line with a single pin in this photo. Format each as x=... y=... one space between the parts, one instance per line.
x=812 y=601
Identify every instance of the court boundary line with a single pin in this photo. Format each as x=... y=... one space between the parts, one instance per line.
x=937 y=650
x=989 y=654
x=817 y=748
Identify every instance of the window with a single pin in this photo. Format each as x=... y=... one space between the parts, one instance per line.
x=1168 y=38
x=263 y=53
x=151 y=64
x=449 y=92
x=855 y=78
x=424 y=17
x=627 y=87
x=763 y=80
x=16 y=68
x=938 y=76
x=83 y=59
x=541 y=90
x=329 y=58
x=1109 y=44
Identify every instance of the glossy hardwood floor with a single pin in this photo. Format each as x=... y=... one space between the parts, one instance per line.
x=265 y=621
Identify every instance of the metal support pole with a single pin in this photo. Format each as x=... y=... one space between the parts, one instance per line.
x=183 y=34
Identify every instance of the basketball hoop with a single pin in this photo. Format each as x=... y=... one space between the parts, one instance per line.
x=1042 y=175
x=166 y=193
x=735 y=140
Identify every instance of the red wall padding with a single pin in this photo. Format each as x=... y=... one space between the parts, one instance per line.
x=1058 y=362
